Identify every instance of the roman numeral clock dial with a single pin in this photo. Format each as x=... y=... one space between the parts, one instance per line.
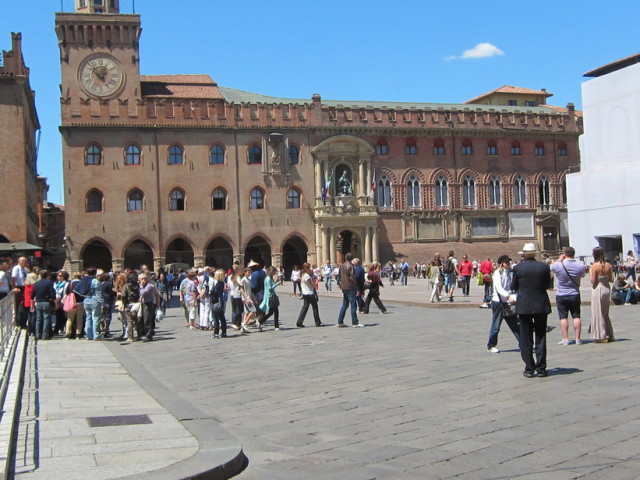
x=101 y=76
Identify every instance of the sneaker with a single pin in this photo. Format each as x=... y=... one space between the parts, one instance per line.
x=484 y=305
x=276 y=329
x=627 y=304
x=383 y=313
x=451 y=299
x=564 y=342
x=340 y=325
x=244 y=329
x=357 y=325
x=130 y=340
x=578 y=342
x=493 y=350
x=215 y=336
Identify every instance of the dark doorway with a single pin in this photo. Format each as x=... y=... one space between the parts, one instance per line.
x=347 y=242
x=612 y=246
x=179 y=251
x=259 y=251
x=138 y=253
x=219 y=254
x=97 y=254
x=294 y=252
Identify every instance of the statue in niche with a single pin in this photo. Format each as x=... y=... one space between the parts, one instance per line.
x=344 y=185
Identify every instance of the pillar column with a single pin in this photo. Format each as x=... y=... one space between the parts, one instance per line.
x=374 y=242
x=361 y=180
x=318 y=177
x=332 y=246
x=367 y=245
x=198 y=261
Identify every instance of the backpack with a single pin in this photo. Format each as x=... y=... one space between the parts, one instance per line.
x=448 y=266
x=133 y=292
x=83 y=287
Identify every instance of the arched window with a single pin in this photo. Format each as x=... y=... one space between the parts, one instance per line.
x=562 y=149
x=293 y=198
x=413 y=192
x=93 y=155
x=438 y=146
x=469 y=192
x=294 y=155
x=411 y=146
x=492 y=147
x=467 y=147
x=94 y=201
x=256 y=198
x=544 y=192
x=495 y=193
x=442 y=192
x=539 y=149
x=255 y=155
x=516 y=149
x=132 y=155
x=176 y=200
x=382 y=146
x=175 y=155
x=216 y=155
x=384 y=192
x=219 y=199
x=135 y=201
x=520 y=191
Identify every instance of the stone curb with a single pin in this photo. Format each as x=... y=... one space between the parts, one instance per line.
x=219 y=457
x=13 y=400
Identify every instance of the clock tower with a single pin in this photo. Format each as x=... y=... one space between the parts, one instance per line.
x=99 y=56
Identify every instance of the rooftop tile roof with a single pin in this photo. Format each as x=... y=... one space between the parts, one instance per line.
x=180 y=86
x=512 y=90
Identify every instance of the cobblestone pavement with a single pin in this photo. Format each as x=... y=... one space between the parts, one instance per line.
x=415 y=394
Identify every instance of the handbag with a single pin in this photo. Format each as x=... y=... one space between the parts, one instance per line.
x=486 y=278
x=274 y=301
x=366 y=286
x=461 y=282
x=507 y=310
x=217 y=307
x=69 y=302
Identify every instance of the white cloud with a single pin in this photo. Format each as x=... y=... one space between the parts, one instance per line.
x=481 y=50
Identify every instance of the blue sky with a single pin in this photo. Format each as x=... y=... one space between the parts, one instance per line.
x=412 y=50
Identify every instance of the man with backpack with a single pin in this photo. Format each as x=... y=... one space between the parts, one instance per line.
x=88 y=289
x=404 y=272
x=450 y=272
x=131 y=301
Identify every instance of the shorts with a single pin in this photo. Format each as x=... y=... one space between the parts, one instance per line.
x=568 y=304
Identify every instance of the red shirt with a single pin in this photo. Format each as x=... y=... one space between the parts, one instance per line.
x=486 y=267
x=466 y=268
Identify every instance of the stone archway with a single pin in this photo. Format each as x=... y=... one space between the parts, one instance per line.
x=219 y=254
x=97 y=254
x=294 y=252
x=138 y=253
x=258 y=250
x=179 y=251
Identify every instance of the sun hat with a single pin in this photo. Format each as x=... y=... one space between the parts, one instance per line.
x=252 y=263
x=528 y=248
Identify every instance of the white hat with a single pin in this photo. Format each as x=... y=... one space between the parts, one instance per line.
x=528 y=248
x=252 y=263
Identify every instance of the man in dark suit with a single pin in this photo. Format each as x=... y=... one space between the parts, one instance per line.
x=531 y=280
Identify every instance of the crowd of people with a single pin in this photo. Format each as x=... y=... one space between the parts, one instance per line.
x=82 y=305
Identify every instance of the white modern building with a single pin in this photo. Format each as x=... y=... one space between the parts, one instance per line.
x=604 y=196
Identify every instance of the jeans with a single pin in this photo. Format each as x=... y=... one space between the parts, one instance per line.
x=327 y=282
x=496 y=320
x=467 y=284
x=43 y=320
x=93 y=312
x=237 y=308
x=348 y=299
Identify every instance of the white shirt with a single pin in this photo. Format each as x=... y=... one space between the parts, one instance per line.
x=4 y=282
x=18 y=275
x=306 y=278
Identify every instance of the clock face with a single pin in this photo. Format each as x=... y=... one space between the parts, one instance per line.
x=101 y=75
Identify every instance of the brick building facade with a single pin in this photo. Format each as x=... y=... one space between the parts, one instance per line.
x=175 y=168
x=24 y=217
